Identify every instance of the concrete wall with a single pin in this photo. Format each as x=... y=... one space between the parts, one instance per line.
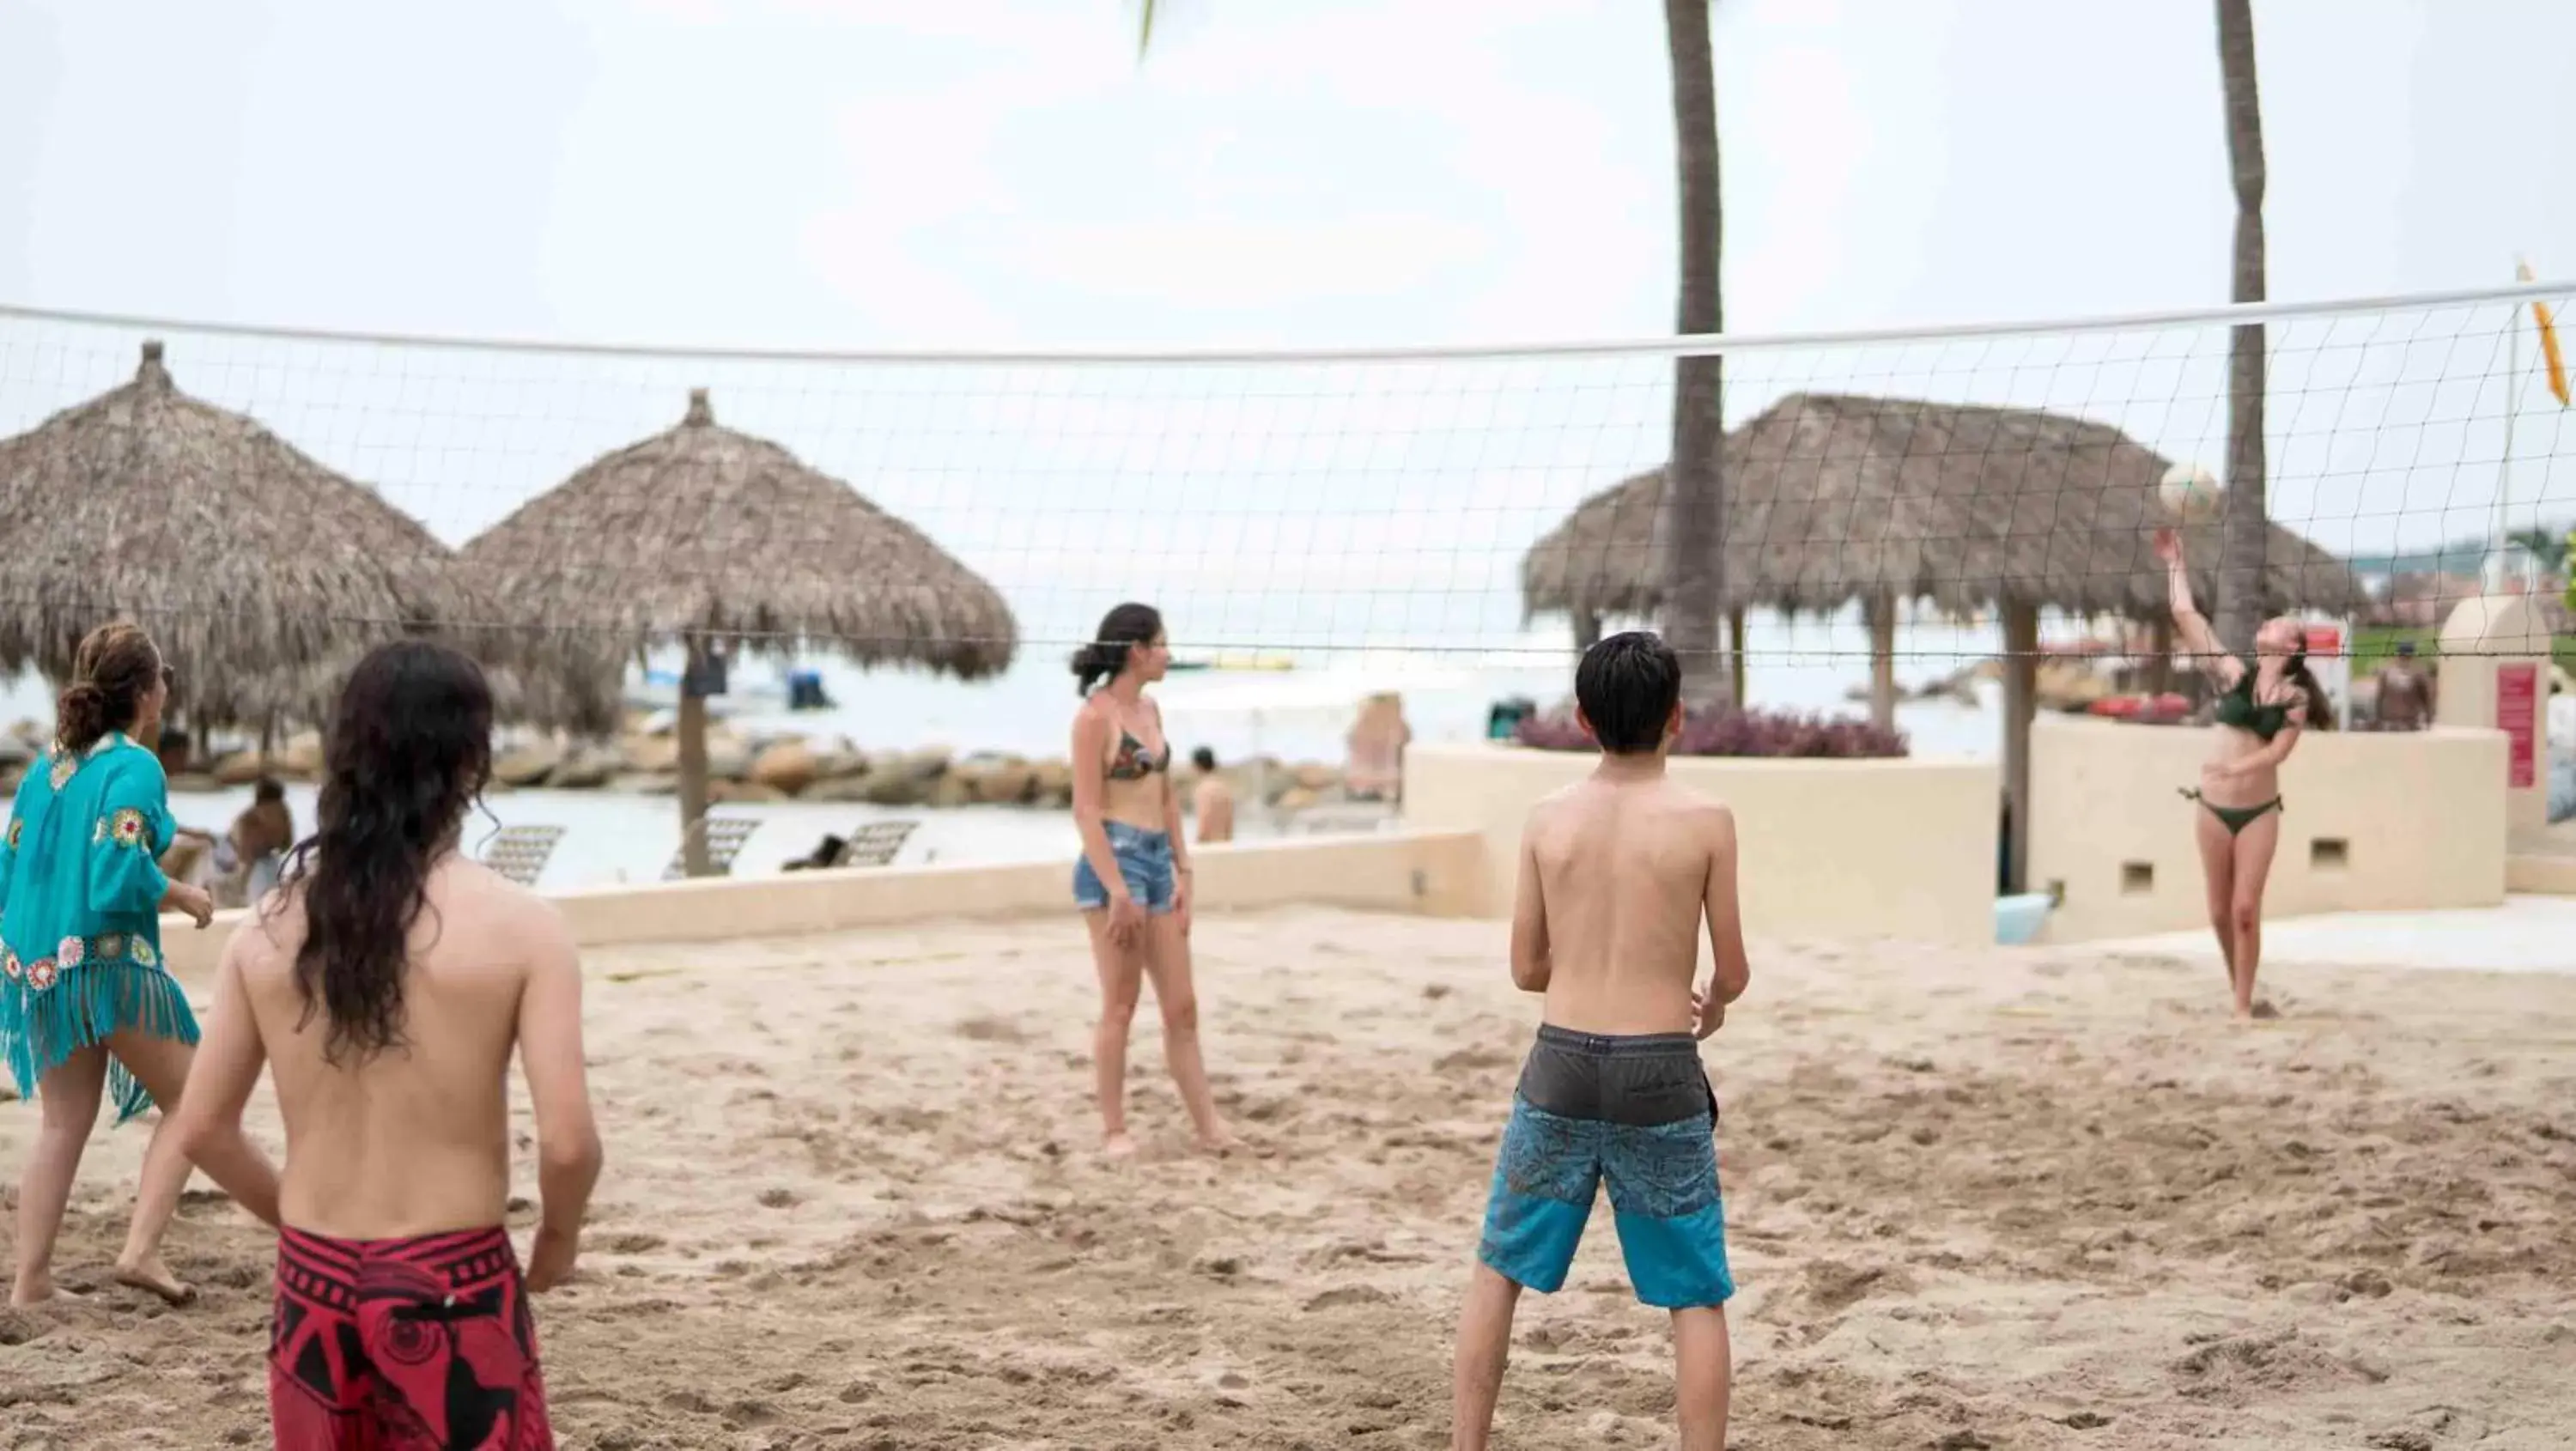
x=2372 y=822
x=1900 y=848
x=2542 y=874
x=2480 y=635
x=1399 y=871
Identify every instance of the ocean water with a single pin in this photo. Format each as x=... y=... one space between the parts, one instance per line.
x=1294 y=715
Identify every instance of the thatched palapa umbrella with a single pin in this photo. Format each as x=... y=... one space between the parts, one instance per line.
x=706 y=537
x=258 y=571
x=1835 y=498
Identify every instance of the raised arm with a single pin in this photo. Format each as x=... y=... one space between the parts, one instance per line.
x=208 y=1119
x=1725 y=916
x=1531 y=965
x=551 y=1055
x=2190 y=626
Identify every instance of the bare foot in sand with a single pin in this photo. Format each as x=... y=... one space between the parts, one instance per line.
x=2265 y=1012
x=42 y=1292
x=1118 y=1146
x=154 y=1278
x=1221 y=1143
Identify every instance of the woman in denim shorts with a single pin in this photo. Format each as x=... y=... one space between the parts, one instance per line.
x=1133 y=882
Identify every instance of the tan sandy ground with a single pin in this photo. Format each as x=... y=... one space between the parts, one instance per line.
x=2044 y=1199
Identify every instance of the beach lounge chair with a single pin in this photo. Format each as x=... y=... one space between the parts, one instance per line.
x=520 y=853
x=725 y=837
x=876 y=843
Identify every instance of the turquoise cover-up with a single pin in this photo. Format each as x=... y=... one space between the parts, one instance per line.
x=80 y=914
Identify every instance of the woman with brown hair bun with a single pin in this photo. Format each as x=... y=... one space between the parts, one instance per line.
x=87 y=1009
x=1132 y=880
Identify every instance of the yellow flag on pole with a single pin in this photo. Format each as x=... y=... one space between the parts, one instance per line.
x=2552 y=361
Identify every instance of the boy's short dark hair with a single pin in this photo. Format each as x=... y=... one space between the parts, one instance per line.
x=1203 y=758
x=269 y=789
x=1627 y=686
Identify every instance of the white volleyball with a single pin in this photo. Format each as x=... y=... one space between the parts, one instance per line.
x=2190 y=494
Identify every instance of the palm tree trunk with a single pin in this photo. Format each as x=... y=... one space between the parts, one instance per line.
x=1735 y=653
x=1690 y=527
x=2246 y=527
x=1880 y=611
x=692 y=732
x=2021 y=702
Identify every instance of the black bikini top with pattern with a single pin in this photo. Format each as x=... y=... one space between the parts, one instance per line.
x=1132 y=762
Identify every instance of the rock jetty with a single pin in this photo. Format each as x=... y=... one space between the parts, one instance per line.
x=748 y=769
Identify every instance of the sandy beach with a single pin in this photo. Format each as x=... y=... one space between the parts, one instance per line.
x=1999 y=1199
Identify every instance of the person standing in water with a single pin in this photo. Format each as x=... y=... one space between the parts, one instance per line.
x=1133 y=881
x=87 y=1007
x=386 y=985
x=1618 y=872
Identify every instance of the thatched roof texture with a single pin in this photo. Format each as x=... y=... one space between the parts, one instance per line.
x=259 y=572
x=702 y=533
x=1834 y=498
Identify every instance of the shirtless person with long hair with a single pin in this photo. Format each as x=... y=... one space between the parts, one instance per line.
x=387 y=984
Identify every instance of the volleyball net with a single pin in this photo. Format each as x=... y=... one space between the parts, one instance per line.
x=1398 y=513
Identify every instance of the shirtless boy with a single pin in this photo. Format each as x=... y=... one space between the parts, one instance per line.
x=1617 y=872
x=386 y=984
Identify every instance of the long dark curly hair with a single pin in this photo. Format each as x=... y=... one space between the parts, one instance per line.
x=407 y=755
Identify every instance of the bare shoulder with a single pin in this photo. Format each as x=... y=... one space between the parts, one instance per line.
x=503 y=911
x=266 y=941
x=1551 y=808
x=1713 y=819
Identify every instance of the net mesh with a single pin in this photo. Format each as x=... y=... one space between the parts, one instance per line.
x=1390 y=521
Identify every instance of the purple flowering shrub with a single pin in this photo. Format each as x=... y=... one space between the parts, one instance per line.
x=1737 y=733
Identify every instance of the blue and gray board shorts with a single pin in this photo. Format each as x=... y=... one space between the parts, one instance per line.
x=1638 y=1113
x=1144 y=864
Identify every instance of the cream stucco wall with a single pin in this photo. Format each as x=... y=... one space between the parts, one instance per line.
x=2372 y=821
x=1401 y=871
x=1900 y=848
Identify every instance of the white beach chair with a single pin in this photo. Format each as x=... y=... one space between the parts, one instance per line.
x=725 y=837
x=876 y=843
x=520 y=853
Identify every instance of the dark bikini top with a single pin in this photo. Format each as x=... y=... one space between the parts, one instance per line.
x=1133 y=762
x=2238 y=707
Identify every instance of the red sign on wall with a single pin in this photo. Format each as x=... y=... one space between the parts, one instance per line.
x=2517 y=715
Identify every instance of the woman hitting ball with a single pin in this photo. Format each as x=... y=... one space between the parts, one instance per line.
x=2264 y=702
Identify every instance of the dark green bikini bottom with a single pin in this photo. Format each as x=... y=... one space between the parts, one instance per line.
x=2234 y=818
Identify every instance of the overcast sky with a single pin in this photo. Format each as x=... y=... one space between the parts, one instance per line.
x=862 y=172
x=960 y=173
